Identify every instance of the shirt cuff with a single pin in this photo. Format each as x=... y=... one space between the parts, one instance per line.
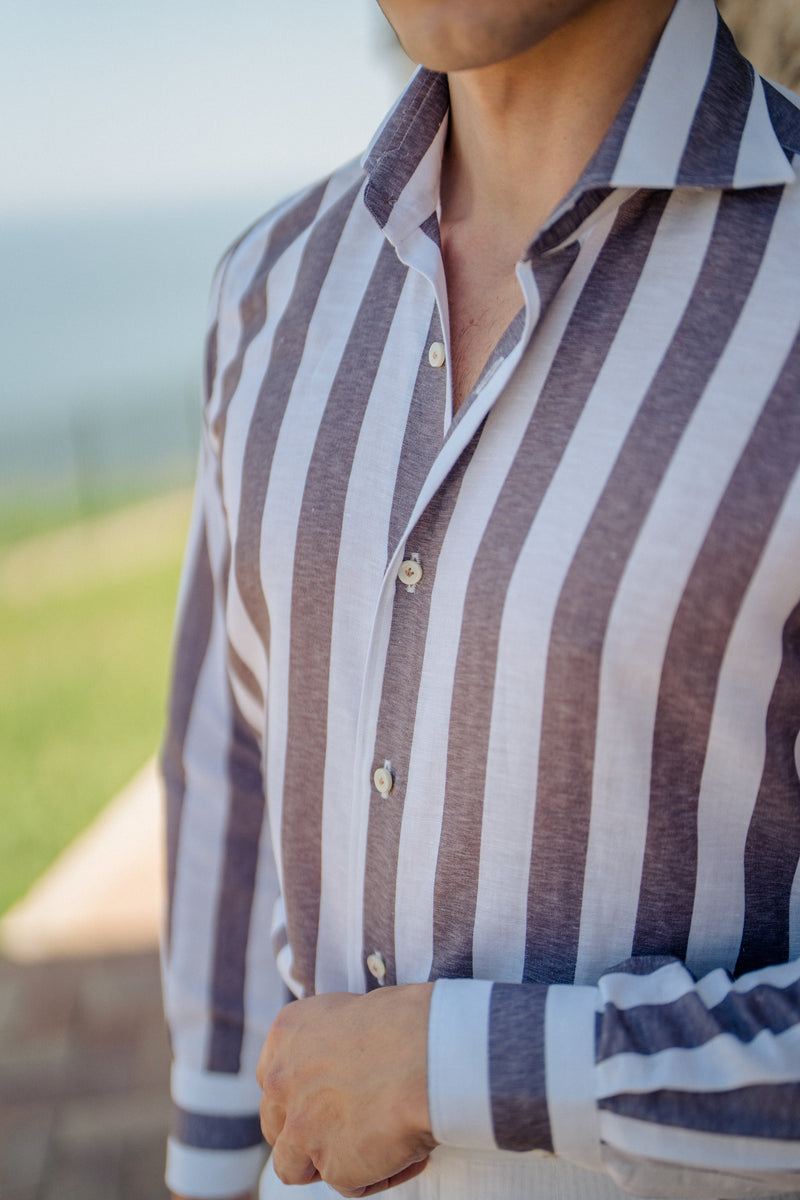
x=512 y=1067
x=570 y=1072
x=458 y=1063
x=216 y=1148
x=213 y=1174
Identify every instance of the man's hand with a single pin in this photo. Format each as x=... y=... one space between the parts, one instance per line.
x=345 y=1089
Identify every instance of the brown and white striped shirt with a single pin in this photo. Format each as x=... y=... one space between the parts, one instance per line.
x=509 y=700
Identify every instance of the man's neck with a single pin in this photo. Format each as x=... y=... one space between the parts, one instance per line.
x=523 y=130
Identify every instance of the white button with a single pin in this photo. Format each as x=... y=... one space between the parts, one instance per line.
x=383 y=780
x=376 y=965
x=410 y=572
x=436 y=354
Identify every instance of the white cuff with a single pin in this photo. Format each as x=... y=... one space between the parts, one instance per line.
x=214 y=1093
x=213 y=1174
x=458 y=1064
x=569 y=1049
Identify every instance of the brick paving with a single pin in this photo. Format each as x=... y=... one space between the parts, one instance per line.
x=83 y=1079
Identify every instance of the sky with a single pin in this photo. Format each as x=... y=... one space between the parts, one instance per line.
x=109 y=103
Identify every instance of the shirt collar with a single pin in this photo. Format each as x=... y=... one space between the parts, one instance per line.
x=697 y=117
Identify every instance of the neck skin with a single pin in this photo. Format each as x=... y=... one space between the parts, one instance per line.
x=522 y=130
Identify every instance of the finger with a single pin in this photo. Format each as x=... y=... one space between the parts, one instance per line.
x=409 y=1172
x=291 y=1162
x=273 y=1119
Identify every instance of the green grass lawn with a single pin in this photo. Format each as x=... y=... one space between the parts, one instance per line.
x=85 y=624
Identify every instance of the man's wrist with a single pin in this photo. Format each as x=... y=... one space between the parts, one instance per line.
x=407 y=1008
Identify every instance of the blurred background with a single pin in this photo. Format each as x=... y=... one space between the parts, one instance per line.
x=138 y=139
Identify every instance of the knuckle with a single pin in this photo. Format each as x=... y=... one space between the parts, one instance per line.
x=273 y=1082
x=279 y=1168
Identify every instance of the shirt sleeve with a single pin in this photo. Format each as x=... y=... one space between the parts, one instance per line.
x=674 y=1087
x=221 y=987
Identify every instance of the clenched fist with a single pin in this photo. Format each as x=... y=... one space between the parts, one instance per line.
x=345 y=1089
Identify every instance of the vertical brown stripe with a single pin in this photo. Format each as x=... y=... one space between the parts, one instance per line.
x=700 y=632
x=783 y=115
x=423 y=436
x=517 y=1075
x=772 y=851
x=210 y=359
x=575 y=368
x=273 y=396
x=713 y=146
x=569 y=720
x=190 y=650
x=315 y=571
x=393 y=160
x=253 y=304
x=235 y=902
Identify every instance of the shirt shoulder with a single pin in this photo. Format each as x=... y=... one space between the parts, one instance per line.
x=269 y=238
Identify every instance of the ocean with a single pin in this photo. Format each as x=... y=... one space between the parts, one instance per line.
x=102 y=321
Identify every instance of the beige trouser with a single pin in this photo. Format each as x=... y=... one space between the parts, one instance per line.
x=469 y=1175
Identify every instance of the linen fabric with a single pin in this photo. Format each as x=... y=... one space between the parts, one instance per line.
x=586 y=707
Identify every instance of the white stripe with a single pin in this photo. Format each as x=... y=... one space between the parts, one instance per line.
x=673 y=981
x=250 y=706
x=794 y=913
x=420 y=195
x=215 y=1094
x=264 y=991
x=736 y=1158
x=657 y=134
x=362 y=554
x=285 y=964
x=458 y=1064
x=719 y=1065
x=782 y=975
x=206 y=1174
x=664 y=986
x=636 y=635
x=569 y=1070
x=761 y=159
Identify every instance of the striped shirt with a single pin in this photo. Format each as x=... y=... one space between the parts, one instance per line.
x=509 y=700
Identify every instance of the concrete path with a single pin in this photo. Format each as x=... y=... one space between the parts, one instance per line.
x=84 y=1062
x=104 y=893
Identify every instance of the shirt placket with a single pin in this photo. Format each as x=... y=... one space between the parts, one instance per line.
x=395 y=654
